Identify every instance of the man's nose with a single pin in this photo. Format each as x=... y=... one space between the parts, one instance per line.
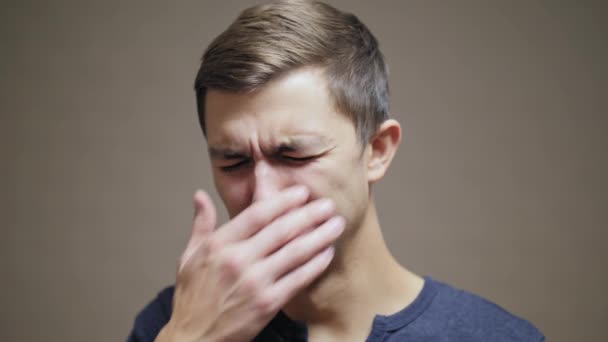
x=267 y=181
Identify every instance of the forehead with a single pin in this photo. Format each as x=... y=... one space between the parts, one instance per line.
x=294 y=107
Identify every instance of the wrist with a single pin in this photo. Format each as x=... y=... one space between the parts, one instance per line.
x=171 y=333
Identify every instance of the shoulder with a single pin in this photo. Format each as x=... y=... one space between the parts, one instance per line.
x=476 y=318
x=153 y=317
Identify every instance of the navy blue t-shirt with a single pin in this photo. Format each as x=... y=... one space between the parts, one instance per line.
x=440 y=313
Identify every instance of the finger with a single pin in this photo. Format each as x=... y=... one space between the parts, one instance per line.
x=203 y=224
x=205 y=214
x=292 y=283
x=260 y=214
x=287 y=227
x=302 y=249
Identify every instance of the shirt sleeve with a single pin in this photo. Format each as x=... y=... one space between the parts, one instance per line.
x=152 y=318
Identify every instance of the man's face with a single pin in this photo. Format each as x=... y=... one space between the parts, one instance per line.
x=287 y=133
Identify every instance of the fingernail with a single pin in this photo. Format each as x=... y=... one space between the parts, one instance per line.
x=329 y=252
x=325 y=205
x=337 y=224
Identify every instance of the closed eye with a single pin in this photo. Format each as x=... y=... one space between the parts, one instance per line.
x=243 y=162
x=235 y=166
x=299 y=159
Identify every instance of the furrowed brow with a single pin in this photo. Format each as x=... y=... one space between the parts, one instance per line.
x=225 y=153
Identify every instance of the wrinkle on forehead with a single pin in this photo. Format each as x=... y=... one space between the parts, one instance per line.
x=292 y=112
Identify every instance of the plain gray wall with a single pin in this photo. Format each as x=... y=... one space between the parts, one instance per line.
x=499 y=186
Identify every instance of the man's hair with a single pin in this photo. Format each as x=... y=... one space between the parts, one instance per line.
x=269 y=40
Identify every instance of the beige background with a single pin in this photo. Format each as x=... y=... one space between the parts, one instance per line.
x=499 y=187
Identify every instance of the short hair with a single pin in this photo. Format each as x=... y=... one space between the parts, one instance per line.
x=269 y=40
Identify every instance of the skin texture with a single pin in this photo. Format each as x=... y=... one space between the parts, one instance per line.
x=318 y=255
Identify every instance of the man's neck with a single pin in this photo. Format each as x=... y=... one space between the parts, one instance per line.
x=363 y=280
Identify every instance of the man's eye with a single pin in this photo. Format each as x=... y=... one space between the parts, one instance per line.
x=299 y=159
x=233 y=167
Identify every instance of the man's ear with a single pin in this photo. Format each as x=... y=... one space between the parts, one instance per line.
x=382 y=148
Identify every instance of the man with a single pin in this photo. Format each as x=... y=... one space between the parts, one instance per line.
x=293 y=101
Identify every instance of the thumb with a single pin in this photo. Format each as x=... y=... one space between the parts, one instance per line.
x=202 y=225
x=205 y=215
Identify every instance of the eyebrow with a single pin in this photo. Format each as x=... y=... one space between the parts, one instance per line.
x=225 y=153
x=291 y=145
x=301 y=142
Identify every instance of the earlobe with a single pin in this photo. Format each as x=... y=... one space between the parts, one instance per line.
x=383 y=145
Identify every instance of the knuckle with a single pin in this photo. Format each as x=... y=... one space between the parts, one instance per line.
x=264 y=303
x=230 y=266
x=251 y=286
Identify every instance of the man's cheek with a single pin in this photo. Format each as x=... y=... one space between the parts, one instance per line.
x=312 y=177
x=236 y=197
x=316 y=179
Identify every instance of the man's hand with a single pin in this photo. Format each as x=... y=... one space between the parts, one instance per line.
x=233 y=280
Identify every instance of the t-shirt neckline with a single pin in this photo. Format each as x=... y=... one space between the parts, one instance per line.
x=407 y=315
x=381 y=324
